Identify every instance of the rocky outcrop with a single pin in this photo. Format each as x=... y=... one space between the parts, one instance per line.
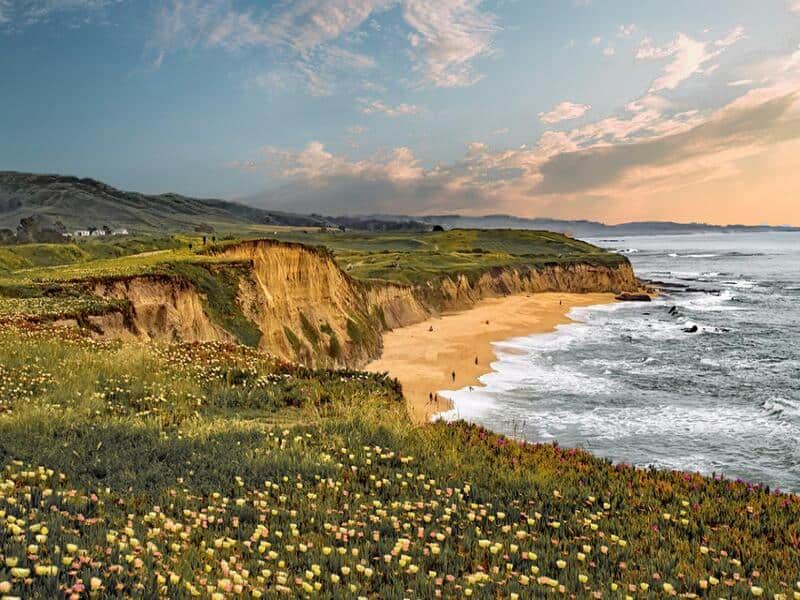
x=304 y=307
x=161 y=309
x=631 y=297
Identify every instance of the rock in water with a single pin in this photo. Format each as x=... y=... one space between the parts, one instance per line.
x=628 y=297
x=692 y=329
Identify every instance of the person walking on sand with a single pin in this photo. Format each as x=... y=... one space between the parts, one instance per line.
x=476 y=360
x=453 y=375
x=430 y=397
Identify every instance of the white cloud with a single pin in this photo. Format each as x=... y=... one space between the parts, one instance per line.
x=371 y=107
x=734 y=36
x=625 y=31
x=564 y=111
x=609 y=51
x=687 y=57
x=316 y=164
x=740 y=83
x=23 y=13
x=501 y=131
x=307 y=24
x=794 y=6
x=447 y=36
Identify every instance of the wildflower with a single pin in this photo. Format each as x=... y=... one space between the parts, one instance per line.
x=45 y=571
x=756 y=591
x=668 y=588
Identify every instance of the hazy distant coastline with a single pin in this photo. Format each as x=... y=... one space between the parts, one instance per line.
x=581 y=228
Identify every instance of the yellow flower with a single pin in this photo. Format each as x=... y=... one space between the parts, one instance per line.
x=583 y=578
x=668 y=588
x=756 y=591
x=561 y=564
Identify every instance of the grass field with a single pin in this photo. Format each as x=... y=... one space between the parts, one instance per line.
x=214 y=471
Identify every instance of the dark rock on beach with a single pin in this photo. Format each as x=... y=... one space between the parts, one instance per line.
x=628 y=297
x=692 y=329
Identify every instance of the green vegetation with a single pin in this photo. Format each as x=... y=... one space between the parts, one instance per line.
x=413 y=258
x=309 y=330
x=215 y=471
x=219 y=287
x=30 y=256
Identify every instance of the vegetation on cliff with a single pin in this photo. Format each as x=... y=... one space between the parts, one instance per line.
x=216 y=471
x=323 y=302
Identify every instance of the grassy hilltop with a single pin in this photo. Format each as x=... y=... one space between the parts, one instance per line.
x=215 y=471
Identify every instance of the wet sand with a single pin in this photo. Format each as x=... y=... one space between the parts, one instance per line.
x=424 y=360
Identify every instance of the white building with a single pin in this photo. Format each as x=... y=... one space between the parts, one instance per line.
x=121 y=231
x=82 y=233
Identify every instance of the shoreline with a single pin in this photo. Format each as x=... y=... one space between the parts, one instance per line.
x=424 y=356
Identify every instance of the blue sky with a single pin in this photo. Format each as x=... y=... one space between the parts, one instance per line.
x=601 y=109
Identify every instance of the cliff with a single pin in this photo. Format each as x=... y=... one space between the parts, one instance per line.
x=294 y=301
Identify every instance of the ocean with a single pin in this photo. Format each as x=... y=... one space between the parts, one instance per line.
x=705 y=378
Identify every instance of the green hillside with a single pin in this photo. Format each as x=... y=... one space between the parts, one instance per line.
x=213 y=471
x=83 y=203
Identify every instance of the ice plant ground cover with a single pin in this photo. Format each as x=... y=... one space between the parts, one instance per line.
x=214 y=471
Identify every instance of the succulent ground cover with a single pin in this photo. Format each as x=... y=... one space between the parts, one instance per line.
x=215 y=471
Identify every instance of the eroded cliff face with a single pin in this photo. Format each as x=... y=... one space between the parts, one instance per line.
x=307 y=309
x=162 y=309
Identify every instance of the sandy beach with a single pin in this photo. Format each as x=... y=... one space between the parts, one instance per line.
x=424 y=356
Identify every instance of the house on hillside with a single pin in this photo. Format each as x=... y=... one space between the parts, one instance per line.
x=121 y=231
x=81 y=233
x=98 y=233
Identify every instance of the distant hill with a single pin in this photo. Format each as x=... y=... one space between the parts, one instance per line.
x=79 y=203
x=83 y=203
x=581 y=228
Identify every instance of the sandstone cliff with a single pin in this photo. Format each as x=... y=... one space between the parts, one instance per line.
x=301 y=305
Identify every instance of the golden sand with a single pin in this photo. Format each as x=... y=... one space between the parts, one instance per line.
x=424 y=356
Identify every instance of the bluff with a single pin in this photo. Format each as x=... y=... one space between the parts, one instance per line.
x=294 y=301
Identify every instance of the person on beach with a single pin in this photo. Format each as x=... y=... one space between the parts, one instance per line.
x=453 y=375
x=430 y=397
x=436 y=399
x=476 y=360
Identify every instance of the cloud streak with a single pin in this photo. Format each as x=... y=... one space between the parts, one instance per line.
x=444 y=38
x=564 y=111
x=686 y=55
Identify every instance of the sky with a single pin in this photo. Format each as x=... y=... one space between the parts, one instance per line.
x=610 y=110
